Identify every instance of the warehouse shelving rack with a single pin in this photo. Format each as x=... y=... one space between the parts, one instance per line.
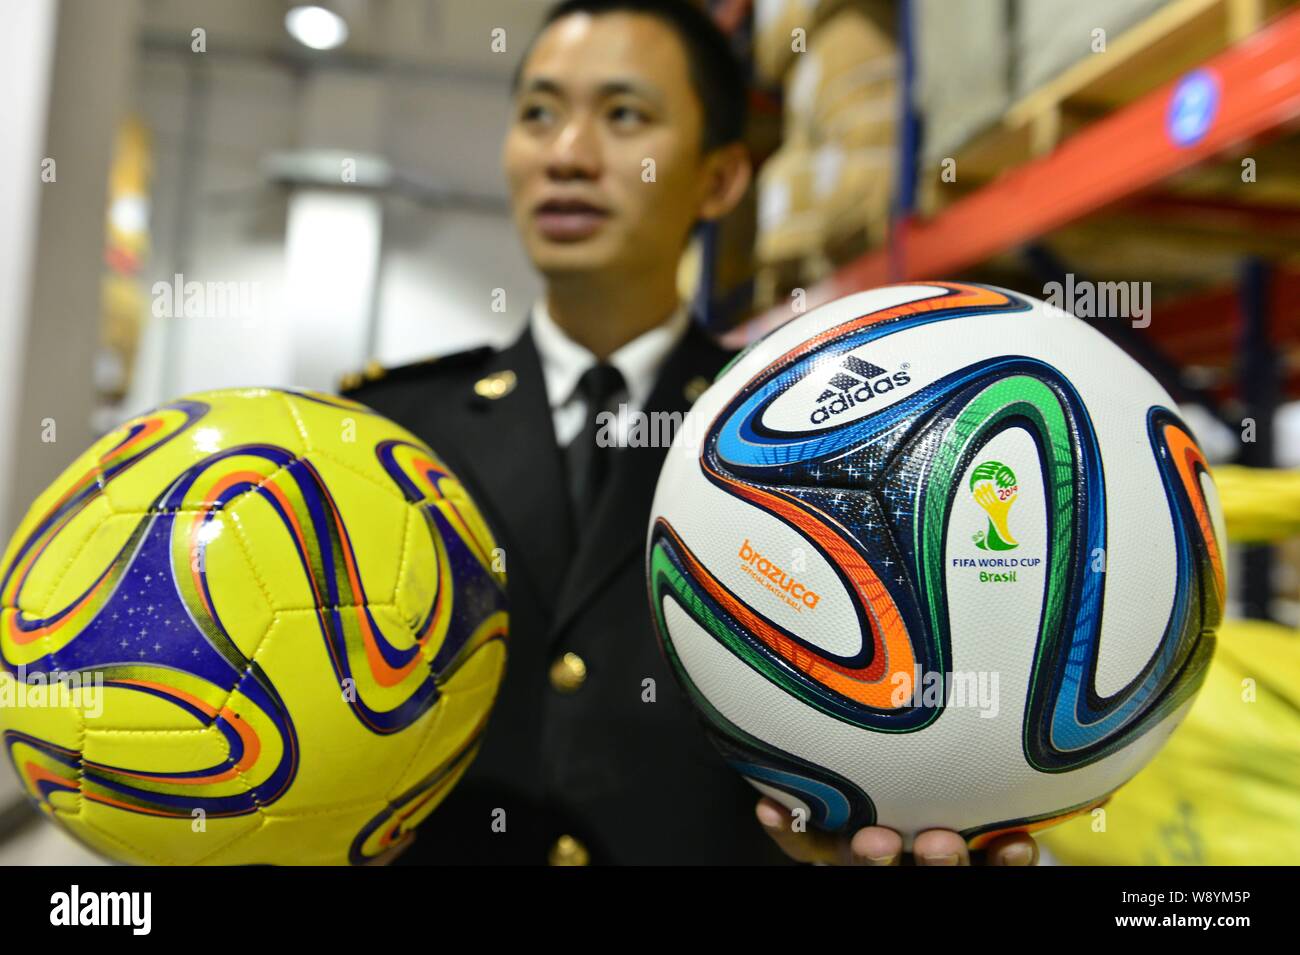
x=1249 y=93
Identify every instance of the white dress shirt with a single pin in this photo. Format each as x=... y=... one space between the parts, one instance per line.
x=564 y=361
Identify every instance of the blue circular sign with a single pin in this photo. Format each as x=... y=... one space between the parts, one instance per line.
x=1193 y=107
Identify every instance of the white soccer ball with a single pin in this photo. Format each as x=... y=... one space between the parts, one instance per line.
x=937 y=555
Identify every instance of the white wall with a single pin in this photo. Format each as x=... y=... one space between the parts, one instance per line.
x=26 y=56
x=214 y=221
x=439 y=265
x=437 y=280
x=26 y=52
x=63 y=67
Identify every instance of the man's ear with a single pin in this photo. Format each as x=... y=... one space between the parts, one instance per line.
x=727 y=174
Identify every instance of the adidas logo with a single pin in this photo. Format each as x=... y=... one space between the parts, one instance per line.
x=856 y=381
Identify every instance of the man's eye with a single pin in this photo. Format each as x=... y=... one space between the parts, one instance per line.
x=627 y=114
x=533 y=112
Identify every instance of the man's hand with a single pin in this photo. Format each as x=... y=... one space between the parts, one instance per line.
x=876 y=845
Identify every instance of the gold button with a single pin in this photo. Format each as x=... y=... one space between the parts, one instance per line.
x=374 y=371
x=568 y=851
x=350 y=381
x=568 y=673
x=496 y=385
x=696 y=387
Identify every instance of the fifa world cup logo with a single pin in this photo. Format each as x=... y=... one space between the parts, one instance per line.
x=994 y=487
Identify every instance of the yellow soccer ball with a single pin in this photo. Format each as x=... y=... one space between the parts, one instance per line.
x=252 y=626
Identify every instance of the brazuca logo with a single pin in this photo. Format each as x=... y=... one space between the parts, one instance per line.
x=856 y=382
x=782 y=584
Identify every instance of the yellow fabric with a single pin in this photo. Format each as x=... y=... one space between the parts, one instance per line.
x=1259 y=504
x=1225 y=790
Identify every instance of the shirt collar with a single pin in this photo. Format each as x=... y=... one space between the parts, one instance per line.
x=564 y=360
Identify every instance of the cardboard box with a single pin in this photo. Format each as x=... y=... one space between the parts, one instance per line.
x=790 y=220
x=851 y=62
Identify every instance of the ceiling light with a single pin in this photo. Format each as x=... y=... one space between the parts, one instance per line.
x=316 y=27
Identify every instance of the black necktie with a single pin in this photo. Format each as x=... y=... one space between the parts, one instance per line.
x=588 y=462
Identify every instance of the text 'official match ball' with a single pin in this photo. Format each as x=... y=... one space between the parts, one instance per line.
x=251 y=626
x=940 y=556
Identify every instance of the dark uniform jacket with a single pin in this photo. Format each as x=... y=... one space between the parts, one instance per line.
x=585 y=768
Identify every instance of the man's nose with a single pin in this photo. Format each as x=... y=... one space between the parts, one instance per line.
x=576 y=150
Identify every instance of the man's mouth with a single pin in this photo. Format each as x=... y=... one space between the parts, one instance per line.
x=569 y=220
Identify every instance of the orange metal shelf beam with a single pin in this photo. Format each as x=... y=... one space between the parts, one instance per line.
x=1110 y=160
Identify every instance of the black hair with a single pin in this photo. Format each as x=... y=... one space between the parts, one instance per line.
x=716 y=73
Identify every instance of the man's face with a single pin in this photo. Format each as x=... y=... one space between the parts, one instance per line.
x=598 y=97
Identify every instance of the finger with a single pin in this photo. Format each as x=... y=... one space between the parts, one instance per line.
x=811 y=845
x=876 y=845
x=940 y=847
x=1015 y=848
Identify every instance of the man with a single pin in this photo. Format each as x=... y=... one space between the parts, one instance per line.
x=626 y=132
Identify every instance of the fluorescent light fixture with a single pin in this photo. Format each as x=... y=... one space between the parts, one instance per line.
x=327 y=167
x=332 y=250
x=316 y=27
